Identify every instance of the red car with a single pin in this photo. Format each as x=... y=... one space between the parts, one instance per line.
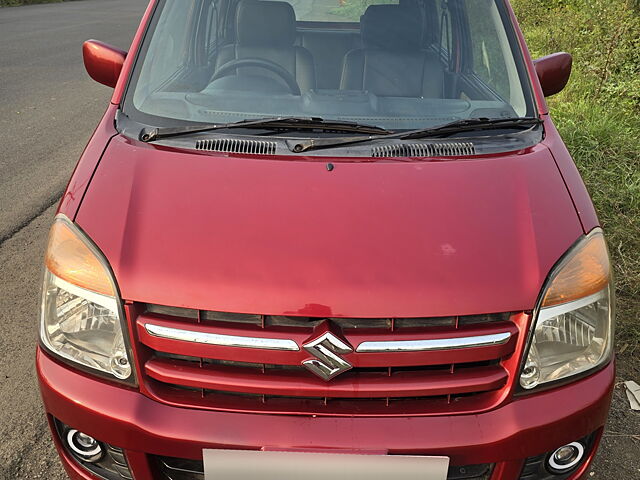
x=314 y=239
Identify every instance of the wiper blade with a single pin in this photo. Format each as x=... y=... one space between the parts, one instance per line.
x=294 y=123
x=457 y=126
x=472 y=124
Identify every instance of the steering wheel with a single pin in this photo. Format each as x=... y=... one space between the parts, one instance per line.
x=289 y=79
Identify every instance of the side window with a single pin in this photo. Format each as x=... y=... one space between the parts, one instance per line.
x=492 y=58
x=167 y=50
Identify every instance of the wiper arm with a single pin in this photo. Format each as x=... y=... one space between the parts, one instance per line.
x=457 y=126
x=471 y=124
x=294 y=123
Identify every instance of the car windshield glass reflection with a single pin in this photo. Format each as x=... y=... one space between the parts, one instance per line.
x=397 y=65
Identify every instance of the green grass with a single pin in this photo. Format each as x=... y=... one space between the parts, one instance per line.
x=598 y=116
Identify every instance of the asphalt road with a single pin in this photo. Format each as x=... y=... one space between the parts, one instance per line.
x=48 y=109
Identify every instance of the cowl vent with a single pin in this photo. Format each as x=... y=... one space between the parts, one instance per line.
x=233 y=145
x=443 y=149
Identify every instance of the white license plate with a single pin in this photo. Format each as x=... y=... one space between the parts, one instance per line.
x=279 y=465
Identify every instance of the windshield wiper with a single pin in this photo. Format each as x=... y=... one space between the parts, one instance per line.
x=472 y=124
x=271 y=123
x=467 y=125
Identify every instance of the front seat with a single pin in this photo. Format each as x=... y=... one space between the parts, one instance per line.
x=266 y=30
x=392 y=62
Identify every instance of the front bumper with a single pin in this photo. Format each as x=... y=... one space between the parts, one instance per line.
x=506 y=436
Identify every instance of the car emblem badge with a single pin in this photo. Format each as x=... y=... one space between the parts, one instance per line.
x=327 y=349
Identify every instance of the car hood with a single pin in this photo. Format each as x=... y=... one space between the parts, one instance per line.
x=367 y=239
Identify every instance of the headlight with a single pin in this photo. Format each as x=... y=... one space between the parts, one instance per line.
x=81 y=316
x=573 y=330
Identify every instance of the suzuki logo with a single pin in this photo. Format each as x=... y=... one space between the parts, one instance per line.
x=327 y=349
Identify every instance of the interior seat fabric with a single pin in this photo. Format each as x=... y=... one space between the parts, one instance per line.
x=328 y=49
x=266 y=30
x=393 y=62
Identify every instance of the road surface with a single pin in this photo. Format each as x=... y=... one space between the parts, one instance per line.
x=48 y=109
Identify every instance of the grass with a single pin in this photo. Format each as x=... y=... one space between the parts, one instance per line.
x=606 y=147
x=598 y=116
x=17 y=3
x=353 y=9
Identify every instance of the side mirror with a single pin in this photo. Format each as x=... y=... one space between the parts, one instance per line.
x=553 y=72
x=103 y=62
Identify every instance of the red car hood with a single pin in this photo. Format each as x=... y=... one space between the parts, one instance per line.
x=370 y=239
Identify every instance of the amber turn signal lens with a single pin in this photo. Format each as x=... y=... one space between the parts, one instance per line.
x=71 y=259
x=587 y=271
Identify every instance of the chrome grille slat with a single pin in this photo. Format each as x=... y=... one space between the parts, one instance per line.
x=380 y=346
x=427 y=345
x=221 y=340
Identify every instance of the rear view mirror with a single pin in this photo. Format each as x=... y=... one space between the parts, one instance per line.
x=103 y=62
x=553 y=72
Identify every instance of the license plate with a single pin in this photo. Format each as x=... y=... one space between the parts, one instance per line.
x=283 y=465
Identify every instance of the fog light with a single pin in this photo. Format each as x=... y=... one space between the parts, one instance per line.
x=85 y=446
x=566 y=457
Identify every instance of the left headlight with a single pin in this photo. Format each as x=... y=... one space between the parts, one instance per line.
x=573 y=330
x=81 y=318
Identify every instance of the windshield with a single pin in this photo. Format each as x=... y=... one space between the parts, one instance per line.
x=398 y=65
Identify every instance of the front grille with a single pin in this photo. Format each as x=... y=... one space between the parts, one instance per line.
x=229 y=361
x=183 y=469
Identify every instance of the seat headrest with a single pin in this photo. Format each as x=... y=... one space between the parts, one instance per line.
x=391 y=27
x=265 y=23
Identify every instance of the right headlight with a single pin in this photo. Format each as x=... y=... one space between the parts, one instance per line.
x=573 y=330
x=81 y=317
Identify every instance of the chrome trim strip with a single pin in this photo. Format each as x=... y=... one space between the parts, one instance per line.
x=434 y=344
x=221 y=340
x=105 y=301
x=546 y=313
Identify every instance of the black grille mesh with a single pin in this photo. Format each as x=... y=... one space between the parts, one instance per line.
x=234 y=145
x=310 y=322
x=444 y=149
